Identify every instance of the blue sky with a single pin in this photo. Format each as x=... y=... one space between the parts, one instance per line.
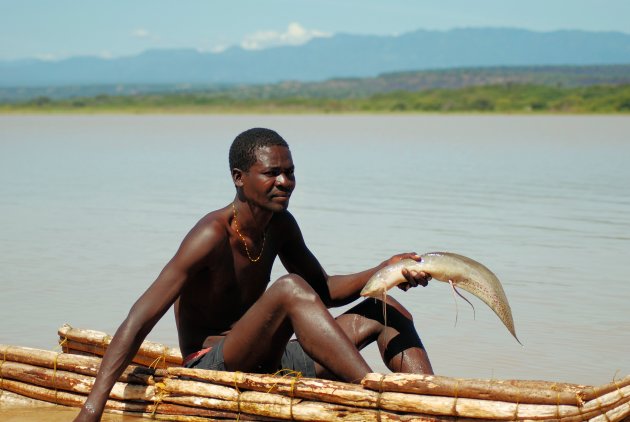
x=63 y=28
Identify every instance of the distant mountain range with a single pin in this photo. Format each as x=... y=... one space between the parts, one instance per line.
x=340 y=56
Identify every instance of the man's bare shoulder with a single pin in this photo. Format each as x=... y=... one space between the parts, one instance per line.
x=283 y=220
x=209 y=233
x=285 y=229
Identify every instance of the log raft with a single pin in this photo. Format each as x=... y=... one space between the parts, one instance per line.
x=156 y=386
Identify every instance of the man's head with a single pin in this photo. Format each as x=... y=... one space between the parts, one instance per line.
x=243 y=149
x=262 y=169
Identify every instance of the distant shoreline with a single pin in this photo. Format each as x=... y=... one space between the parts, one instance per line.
x=490 y=99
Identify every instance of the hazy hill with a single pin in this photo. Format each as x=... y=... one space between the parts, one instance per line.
x=414 y=81
x=422 y=80
x=339 y=56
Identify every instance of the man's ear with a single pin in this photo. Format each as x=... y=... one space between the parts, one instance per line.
x=237 y=177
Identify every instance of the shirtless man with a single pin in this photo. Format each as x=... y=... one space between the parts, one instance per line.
x=226 y=317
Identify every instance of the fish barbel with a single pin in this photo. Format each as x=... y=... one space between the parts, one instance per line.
x=448 y=267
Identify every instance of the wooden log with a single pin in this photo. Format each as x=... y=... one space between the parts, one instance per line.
x=273 y=405
x=620 y=413
x=159 y=417
x=592 y=392
x=101 y=340
x=443 y=406
x=69 y=381
x=302 y=410
x=306 y=388
x=185 y=418
x=263 y=404
x=86 y=349
x=210 y=403
x=600 y=405
x=9 y=400
x=280 y=406
x=86 y=365
x=496 y=410
x=194 y=388
x=267 y=406
x=340 y=393
x=61 y=397
x=115 y=406
x=309 y=411
x=595 y=412
x=532 y=392
x=613 y=399
x=318 y=411
x=441 y=385
x=450 y=406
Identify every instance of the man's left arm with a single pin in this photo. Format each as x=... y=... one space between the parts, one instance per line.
x=336 y=290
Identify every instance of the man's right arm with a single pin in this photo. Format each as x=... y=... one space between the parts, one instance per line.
x=192 y=255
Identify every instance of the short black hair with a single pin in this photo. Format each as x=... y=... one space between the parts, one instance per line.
x=245 y=145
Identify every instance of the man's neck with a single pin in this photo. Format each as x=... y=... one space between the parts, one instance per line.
x=252 y=221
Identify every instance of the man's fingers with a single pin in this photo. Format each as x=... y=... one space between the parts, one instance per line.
x=418 y=277
x=414 y=278
x=424 y=278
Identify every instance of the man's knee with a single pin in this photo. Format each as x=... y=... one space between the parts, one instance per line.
x=295 y=289
x=374 y=309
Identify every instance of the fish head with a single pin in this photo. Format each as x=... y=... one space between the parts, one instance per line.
x=375 y=288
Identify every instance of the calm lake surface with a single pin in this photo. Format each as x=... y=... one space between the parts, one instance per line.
x=92 y=207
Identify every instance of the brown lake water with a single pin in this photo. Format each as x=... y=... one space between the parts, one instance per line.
x=92 y=207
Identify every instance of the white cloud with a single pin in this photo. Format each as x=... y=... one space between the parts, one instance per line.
x=140 y=33
x=47 y=57
x=295 y=34
x=219 y=48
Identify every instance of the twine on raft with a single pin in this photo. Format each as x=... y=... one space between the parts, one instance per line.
x=160 y=393
x=518 y=402
x=378 y=398
x=456 y=393
x=54 y=377
x=580 y=403
x=601 y=409
x=238 y=396
x=156 y=361
x=295 y=377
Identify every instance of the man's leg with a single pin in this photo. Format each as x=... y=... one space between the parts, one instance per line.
x=398 y=340
x=257 y=340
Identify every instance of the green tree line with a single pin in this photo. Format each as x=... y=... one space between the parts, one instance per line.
x=504 y=98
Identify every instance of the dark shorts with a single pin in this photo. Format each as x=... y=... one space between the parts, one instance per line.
x=294 y=358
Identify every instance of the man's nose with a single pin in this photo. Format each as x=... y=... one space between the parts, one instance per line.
x=283 y=180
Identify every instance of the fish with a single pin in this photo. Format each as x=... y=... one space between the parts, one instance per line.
x=458 y=271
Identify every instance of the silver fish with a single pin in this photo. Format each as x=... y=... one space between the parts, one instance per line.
x=458 y=270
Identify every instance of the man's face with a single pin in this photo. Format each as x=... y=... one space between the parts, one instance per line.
x=270 y=180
